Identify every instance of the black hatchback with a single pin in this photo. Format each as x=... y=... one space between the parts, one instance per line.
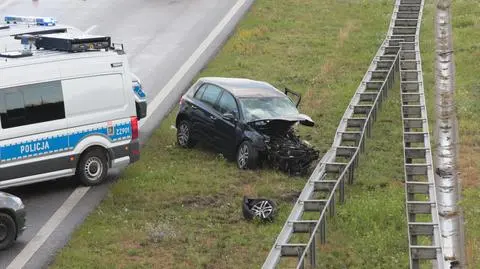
x=245 y=119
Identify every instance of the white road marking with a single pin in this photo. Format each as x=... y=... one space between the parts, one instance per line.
x=24 y=256
x=5 y=4
x=152 y=106
x=91 y=28
x=29 y=250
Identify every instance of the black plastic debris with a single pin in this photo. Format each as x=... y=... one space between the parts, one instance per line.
x=259 y=208
x=288 y=153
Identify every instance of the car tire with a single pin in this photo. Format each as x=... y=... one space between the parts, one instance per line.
x=247 y=156
x=93 y=167
x=184 y=137
x=260 y=208
x=8 y=231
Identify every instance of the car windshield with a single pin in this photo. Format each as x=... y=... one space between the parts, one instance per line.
x=258 y=108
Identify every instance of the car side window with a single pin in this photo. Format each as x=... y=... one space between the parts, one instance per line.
x=199 y=93
x=227 y=103
x=210 y=95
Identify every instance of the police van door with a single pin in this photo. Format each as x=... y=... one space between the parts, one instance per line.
x=33 y=137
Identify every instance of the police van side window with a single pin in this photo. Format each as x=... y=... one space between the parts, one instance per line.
x=29 y=104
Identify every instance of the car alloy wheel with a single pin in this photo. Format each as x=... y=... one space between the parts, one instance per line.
x=262 y=209
x=258 y=208
x=242 y=158
x=183 y=134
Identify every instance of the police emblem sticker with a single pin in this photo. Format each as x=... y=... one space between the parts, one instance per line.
x=110 y=129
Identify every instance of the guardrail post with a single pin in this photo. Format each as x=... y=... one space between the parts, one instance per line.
x=342 y=188
x=323 y=231
x=332 y=205
x=300 y=260
x=313 y=250
x=351 y=172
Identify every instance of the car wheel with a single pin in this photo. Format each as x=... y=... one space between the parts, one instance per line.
x=263 y=209
x=184 y=134
x=8 y=231
x=93 y=167
x=247 y=156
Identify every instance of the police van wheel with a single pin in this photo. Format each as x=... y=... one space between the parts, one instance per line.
x=8 y=231
x=93 y=167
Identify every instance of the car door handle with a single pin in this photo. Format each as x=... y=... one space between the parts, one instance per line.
x=212 y=117
x=194 y=107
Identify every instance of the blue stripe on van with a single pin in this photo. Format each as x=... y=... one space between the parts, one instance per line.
x=56 y=144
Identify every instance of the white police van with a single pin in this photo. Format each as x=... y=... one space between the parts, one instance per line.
x=69 y=104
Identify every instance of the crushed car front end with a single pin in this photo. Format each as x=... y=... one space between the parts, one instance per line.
x=283 y=148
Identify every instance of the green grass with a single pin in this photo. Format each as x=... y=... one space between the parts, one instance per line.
x=182 y=208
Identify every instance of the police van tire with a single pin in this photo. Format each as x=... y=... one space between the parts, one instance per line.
x=8 y=231
x=93 y=167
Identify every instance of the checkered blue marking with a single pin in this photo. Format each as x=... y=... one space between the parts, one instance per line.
x=60 y=143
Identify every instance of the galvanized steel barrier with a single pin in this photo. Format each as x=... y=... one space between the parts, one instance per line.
x=425 y=245
x=338 y=165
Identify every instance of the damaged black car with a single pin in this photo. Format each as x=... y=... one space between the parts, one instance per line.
x=247 y=120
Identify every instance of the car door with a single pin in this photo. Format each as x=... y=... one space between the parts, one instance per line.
x=205 y=112
x=192 y=111
x=225 y=131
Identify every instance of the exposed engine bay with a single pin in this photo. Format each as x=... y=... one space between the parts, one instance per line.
x=284 y=148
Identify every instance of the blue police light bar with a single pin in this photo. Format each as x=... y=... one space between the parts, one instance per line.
x=42 y=21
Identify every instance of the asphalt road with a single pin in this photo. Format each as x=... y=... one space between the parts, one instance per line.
x=161 y=37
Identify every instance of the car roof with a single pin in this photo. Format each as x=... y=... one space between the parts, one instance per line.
x=242 y=87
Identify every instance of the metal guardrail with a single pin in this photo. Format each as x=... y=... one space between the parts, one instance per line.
x=425 y=245
x=338 y=164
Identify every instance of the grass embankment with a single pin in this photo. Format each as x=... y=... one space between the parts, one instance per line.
x=466 y=25
x=182 y=208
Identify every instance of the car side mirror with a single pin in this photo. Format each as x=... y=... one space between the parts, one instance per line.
x=229 y=116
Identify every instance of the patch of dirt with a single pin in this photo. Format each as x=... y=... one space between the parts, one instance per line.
x=469 y=249
x=468 y=166
x=129 y=244
x=290 y=197
x=203 y=201
x=158 y=256
x=249 y=191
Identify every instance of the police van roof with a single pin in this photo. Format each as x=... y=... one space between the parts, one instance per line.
x=9 y=30
x=12 y=47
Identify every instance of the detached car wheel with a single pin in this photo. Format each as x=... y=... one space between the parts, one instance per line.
x=247 y=156
x=8 y=231
x=184 y=135
x=262 y=209
x=93 y=167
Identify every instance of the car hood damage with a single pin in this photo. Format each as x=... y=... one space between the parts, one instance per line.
x=284 y=148
x=281 y=124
